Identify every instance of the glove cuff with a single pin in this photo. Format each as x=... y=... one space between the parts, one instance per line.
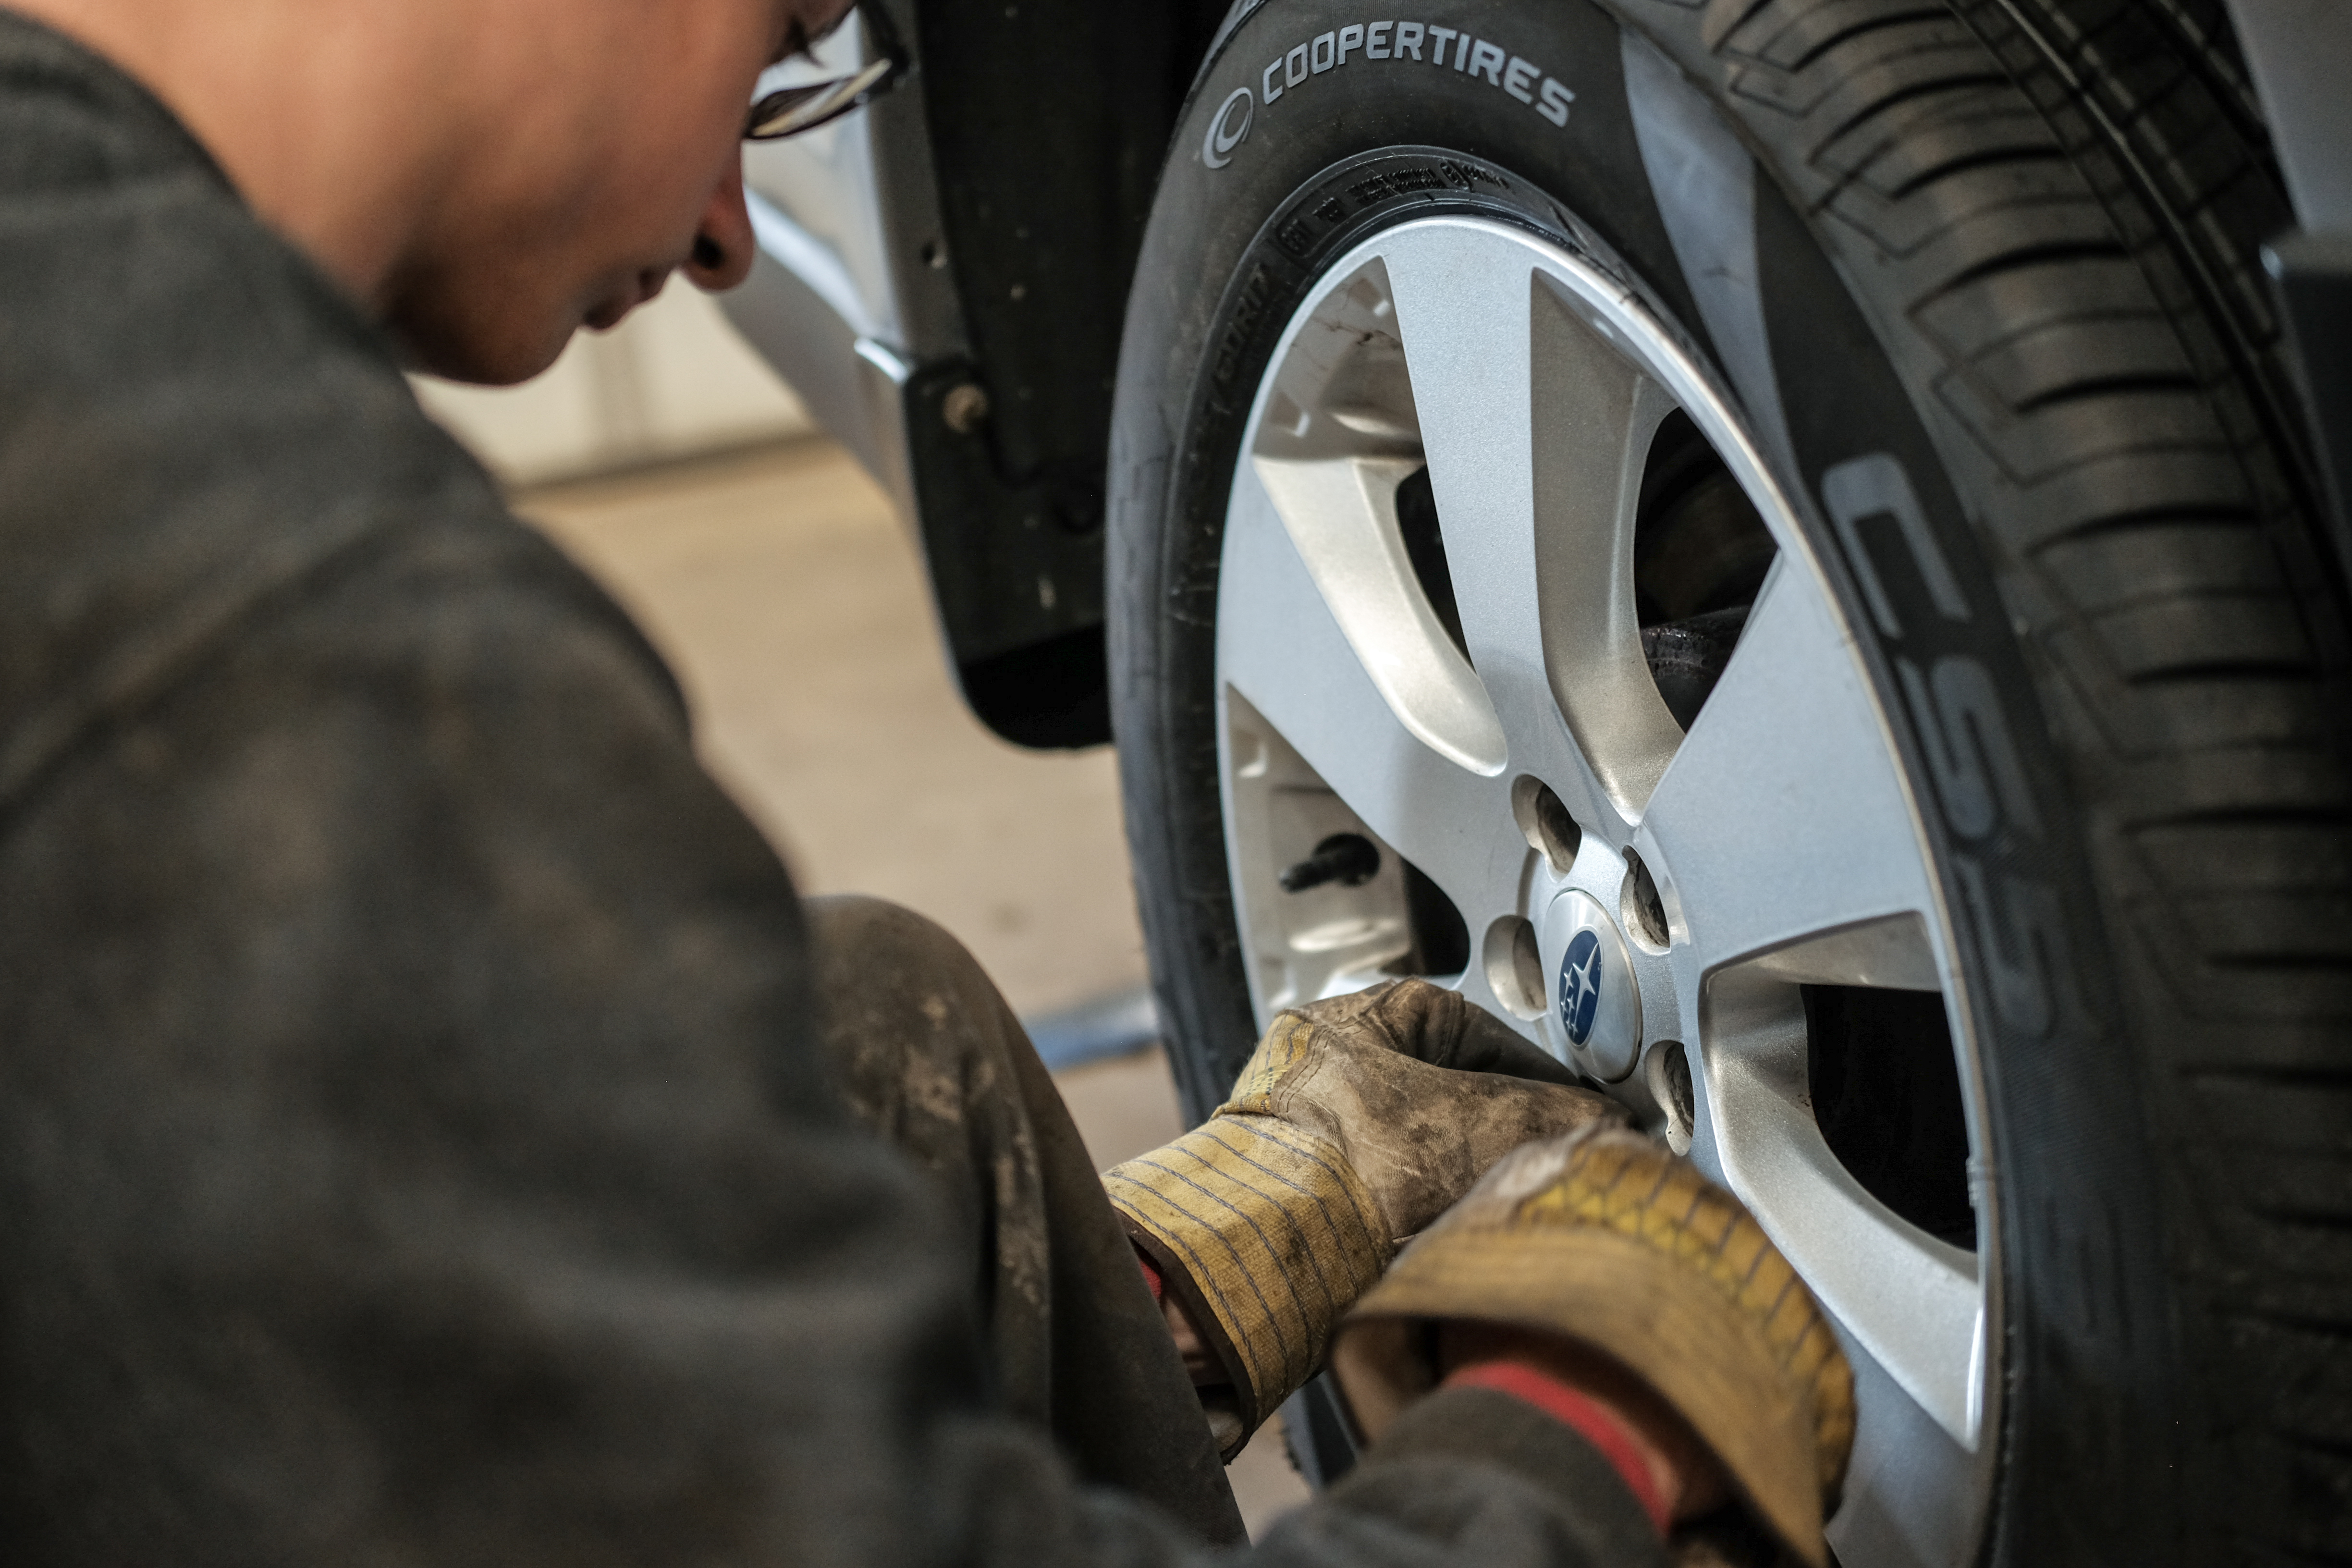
x=1268 y=1235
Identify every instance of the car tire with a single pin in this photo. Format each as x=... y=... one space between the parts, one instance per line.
x=2000 y=256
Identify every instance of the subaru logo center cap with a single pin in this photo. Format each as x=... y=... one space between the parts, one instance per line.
x=1596 y=1007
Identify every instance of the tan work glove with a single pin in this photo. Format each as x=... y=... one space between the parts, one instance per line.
x=1358 y=1121
x=1604 y=1237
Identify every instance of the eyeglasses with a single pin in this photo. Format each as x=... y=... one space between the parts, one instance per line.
x=793 y=109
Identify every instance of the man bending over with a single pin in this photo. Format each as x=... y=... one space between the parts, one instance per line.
x=432 y=1131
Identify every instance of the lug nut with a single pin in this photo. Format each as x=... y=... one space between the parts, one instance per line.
x=1347 y=858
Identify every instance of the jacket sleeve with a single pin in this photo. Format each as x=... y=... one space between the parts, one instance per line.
x=411 y=1151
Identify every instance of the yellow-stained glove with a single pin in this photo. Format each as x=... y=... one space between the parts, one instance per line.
x=1359 y=1119
x=1604 y=1237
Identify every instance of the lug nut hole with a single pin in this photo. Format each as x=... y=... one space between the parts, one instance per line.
x=1643 y=914
x=1670 y=1085
x=1545 y=823
x=1514 y=966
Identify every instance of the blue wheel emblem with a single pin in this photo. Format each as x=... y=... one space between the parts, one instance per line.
x=1580 y=985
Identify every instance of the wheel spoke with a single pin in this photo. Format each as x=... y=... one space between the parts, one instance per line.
x=1341 y=514
x=1281 y=647
x=1783 y=817
x=1336 y=438
x=1536 y=428
x=1912 y=1303
x=1911 y=1490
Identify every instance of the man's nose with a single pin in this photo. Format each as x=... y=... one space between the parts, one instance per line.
x=723 y=244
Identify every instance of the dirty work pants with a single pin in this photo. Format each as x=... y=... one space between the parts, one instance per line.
x=930 y=1058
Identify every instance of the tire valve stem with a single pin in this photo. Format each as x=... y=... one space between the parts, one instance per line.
x=1347 y=858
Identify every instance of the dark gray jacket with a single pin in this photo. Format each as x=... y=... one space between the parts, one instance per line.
x=411 y=1145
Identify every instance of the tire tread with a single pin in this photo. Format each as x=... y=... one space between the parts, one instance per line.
x=2063 y=199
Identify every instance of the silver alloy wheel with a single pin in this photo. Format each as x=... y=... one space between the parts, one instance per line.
x=1780 y=833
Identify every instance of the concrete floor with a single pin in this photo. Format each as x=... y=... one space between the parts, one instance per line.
x=793 y=605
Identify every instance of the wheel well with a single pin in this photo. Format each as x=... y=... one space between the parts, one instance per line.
x=1049 y=123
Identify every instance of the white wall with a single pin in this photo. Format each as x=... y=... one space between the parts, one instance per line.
x=673 y=380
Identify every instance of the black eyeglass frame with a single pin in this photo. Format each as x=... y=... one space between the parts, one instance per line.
x=889 y=66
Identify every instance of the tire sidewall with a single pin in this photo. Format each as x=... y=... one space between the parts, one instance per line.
x=2083 y=1406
